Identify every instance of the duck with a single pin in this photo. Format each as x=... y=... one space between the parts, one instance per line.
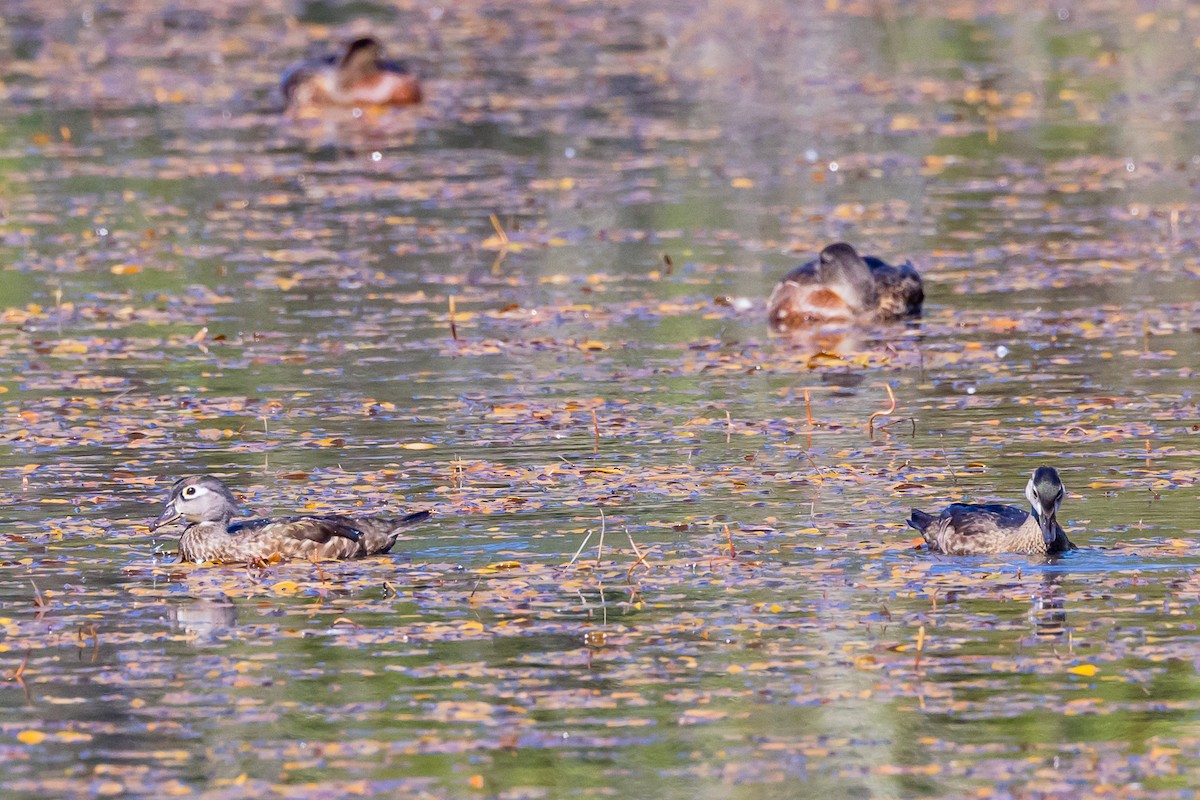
x=840 y=286
x=357 y=75
x=207 y=505
x=968 y=529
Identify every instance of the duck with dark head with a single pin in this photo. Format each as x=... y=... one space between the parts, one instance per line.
x=358 y=75
x=969 y=529
x=840 y=286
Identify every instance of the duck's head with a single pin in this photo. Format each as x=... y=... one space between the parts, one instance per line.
x=197 y=498
x=841 y=268
x=358 y=60
x=1045 y=492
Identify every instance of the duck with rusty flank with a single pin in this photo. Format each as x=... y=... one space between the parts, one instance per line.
x=965 y=529
x=840 y=286
x=207 y=506
x=358 y=75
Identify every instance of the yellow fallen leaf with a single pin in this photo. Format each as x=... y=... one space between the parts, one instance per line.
x=285 y=587
x=31 y=737
x=500 y=566
x=1086 y=670
x=742 y=183
x=417 y=446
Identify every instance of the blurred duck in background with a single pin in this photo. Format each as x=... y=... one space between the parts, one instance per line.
x=356 y=76
x=840 y=286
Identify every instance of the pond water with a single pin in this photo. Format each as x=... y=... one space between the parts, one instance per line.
x=668 y=555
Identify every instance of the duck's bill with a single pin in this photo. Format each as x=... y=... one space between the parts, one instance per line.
x=168 y=515
x=1049 y=529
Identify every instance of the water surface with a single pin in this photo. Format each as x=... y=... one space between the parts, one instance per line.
x=194 y=282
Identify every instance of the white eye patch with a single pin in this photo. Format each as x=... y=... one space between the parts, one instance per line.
x=192 y=492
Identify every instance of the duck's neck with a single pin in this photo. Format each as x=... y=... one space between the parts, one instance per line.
x=208 y=526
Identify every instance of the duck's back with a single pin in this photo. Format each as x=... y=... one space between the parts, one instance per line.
x=307 y=537
x=901 y=292
x=329 y=535
x=968 y=529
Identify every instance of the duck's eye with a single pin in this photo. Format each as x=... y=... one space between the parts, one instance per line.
x=189 y=491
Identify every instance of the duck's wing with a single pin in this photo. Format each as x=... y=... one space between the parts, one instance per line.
x=374 y=534
x=901 y=292
x=966 y=529
x=302 y=71
x=319 y=529
x=380 y=533
x=372 y=526
x=969 y=519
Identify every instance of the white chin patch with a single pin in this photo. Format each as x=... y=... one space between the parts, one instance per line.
x=1031 y=496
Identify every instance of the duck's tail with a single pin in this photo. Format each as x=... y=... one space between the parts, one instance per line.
x=383 y=534
x=413 y=518
x=921 y=521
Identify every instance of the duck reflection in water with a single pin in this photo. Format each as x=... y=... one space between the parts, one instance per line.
x=204 y=618
x=1048 y=609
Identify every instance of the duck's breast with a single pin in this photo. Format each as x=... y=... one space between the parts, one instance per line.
x=800 y=301
x=201 y=544
x=385 y=89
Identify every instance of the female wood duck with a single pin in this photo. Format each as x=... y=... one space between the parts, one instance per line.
x=964 y=529
x=357 y=76
x=841 y=286
x=207 y=505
